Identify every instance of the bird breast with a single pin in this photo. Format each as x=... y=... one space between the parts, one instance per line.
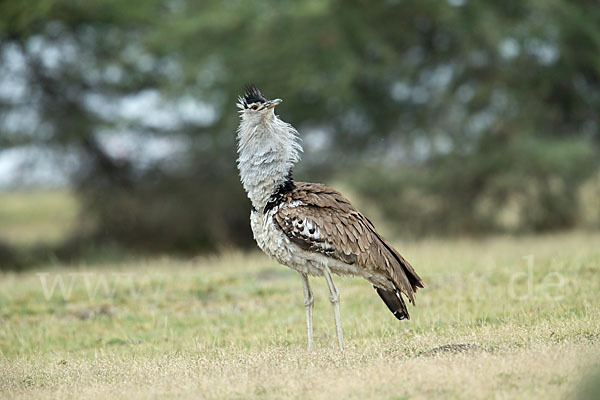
x=274 y=243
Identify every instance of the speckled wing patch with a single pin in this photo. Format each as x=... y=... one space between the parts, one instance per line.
x=312 y=233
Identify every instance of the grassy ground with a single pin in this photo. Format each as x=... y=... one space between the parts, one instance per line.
x=36 y=216
x=500 y=318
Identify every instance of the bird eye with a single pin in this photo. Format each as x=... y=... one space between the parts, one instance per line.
x=254 y=106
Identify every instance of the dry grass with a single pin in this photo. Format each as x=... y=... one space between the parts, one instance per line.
x=290 y=372
x=233 y=327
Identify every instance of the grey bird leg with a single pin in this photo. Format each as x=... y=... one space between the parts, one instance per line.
x=309 y=301
x=334 y=298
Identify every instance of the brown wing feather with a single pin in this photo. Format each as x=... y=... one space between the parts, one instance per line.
x=341 y=232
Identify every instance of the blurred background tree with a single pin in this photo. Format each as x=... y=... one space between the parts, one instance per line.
x=453 y=117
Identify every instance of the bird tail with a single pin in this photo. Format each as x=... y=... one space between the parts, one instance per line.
x=394 y=301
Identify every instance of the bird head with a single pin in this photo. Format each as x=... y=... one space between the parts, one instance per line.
x=253 y=104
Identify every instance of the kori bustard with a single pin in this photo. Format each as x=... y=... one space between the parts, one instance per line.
x=310 y=227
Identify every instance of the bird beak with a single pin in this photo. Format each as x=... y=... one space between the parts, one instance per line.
x=273 y=103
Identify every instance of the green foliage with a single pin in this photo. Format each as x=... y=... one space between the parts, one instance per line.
x=523 y=184
x=482 y=105
x=170 y=213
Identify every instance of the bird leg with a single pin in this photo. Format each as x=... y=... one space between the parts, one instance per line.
x=309 y=301
x=334 y=298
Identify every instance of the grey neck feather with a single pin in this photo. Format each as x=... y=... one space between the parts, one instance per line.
x=268 y=148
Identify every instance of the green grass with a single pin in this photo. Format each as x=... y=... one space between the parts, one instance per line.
x=29 y=217
x=486 y=326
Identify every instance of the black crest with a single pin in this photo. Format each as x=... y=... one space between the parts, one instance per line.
x=253 y=95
